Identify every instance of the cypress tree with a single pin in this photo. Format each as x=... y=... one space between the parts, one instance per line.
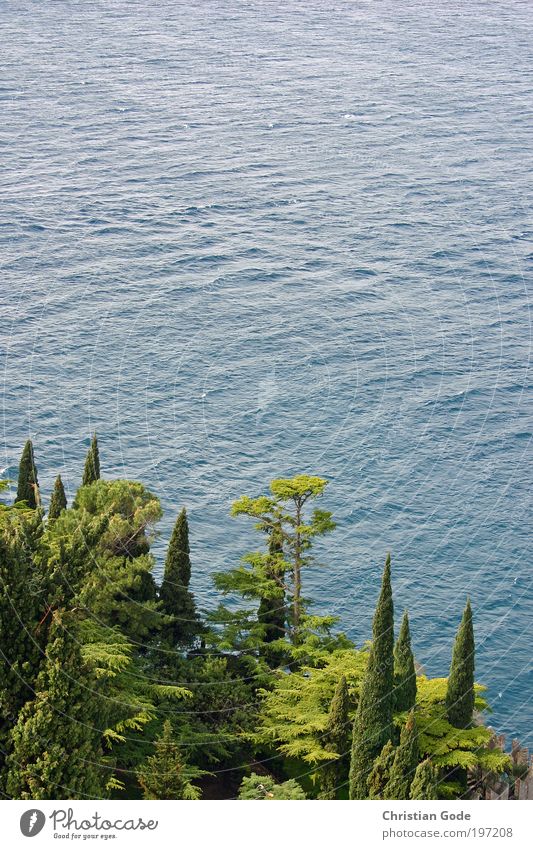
x=56 y=746
x=163 y=775
x=177 y=600
x=28 y=485
x=373 y=720
x=91 y=471
x=58 y=501
x=379 y=777
x=460 y=692
x=424 y=784
x=404 y=670
x=21 y=608
x=336 y=740
x=405 y=762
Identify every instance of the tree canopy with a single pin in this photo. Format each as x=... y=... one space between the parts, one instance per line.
x=115 y=684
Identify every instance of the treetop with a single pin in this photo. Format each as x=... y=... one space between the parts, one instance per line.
x=301 y=486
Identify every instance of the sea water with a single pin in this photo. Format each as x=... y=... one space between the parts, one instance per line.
x=242 y=240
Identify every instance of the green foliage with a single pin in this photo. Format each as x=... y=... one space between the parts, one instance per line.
x=424 y=784
x=93 y=692
x=128 y=702
x=164 y=775
x=223 y=710
x=446 y=745
x=28 y=485
x=114 y=597
x=176 y=599
x=128 y=511
x=405 y=762
x=235 y=630
x=97 y=554
x=103 y=543
x=264 y=787
x=373 y=720
x=56 y=748
x=272 y=612
x=460 y=692
x=58 y=501
x=215 y=724
x=296 y=715
x=404 y=670
x=130 y=695
x=278 y=575
x=21 y=638
x=380 y=773
x=91 y=471
x=67 y=554
x=336 y=741
x=122 y=592
x=299 y=488
x=94 y=662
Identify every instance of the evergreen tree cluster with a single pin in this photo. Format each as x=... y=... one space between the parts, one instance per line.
x=384 y=760
x=114 y=687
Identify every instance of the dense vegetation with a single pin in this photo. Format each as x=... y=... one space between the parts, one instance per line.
x=114 y=687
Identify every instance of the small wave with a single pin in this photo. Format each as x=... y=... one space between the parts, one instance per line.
x=363 y=272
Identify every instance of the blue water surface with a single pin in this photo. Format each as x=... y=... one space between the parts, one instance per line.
x=243 y=240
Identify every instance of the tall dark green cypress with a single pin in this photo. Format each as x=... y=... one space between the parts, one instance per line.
x=424 y=785
x=28 y=485
x=336 y=741
x=380 y=774
x=177 y=600
x=91 y=471
x=404 y=670
x=21 y=607
x=405 y=762
x=373 y=720
x=460 y=692
x=58 y=501
x=56 y=744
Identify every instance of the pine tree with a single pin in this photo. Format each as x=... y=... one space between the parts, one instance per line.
x=91 y=471
x=424 y=784
x=177 y=600
x=164 y=775
x=460 y=692
x=405 y=762
x=28 y=485
x=404 y=670
x=373 y=720
x=285 y=510
x=379 y=777
x=336 y=741
x=58 y=501
x=56 y=748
